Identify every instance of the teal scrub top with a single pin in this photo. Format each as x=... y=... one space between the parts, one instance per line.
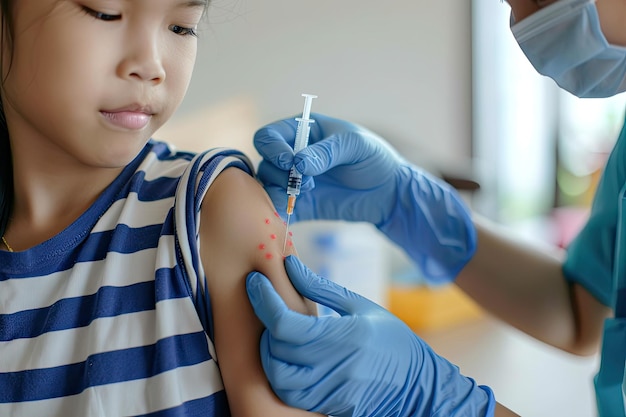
x=596 y=259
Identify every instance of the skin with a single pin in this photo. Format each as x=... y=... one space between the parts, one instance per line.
x=72 y=69
x=502 y=411
x=64 y=150
x=525 y=286
x=233 y=228
x=612 y=14
x=521 y=9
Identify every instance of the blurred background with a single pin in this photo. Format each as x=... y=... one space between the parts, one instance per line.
x=447 y=85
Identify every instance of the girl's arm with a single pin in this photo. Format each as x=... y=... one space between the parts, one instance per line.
x=239 y=233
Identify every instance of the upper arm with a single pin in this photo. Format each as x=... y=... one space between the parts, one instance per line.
x=241 y=232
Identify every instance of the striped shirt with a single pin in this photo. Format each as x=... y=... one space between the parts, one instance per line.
x=110 y=317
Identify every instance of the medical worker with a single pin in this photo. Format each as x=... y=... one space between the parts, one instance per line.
x=576 y=302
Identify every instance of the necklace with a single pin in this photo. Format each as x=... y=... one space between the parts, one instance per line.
x=7 y=244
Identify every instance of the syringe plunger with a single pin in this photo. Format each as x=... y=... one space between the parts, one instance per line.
x=308 y=99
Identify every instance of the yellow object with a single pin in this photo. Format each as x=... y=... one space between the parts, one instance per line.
x=424 y=308
x=291 y=202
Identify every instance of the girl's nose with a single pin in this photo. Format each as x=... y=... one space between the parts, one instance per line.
x=143 y=60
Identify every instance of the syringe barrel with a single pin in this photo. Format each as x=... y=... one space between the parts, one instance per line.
x=294 y=183
x=302 y=132
x=302 y=140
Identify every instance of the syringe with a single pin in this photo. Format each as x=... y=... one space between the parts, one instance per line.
x=295 y=177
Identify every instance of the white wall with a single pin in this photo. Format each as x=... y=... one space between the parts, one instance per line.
x=400 y=67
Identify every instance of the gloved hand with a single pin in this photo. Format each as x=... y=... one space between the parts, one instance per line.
x=365 y=363
x=360 y=177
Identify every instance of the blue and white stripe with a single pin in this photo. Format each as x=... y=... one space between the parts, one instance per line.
x=110 y=317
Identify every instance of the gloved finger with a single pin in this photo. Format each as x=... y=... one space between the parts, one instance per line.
x=282 y=323
x=270 y=174
x=325 y=292
x=274 y=142
x=322 y=353
x=322 y=156
x=362 y=151
x=294 y=383
x=334 y=395
x=283 y=374
x=313 y=398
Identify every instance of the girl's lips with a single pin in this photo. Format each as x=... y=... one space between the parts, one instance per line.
x=126 y=119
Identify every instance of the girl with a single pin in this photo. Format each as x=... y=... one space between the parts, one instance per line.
x=107 y=236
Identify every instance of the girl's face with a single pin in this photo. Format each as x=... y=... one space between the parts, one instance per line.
x=94 y=79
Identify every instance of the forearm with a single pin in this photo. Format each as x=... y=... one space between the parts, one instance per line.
x=522 y=285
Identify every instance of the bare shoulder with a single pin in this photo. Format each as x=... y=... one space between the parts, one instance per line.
x=237 y=187
x=239 y=216
x=242 y=232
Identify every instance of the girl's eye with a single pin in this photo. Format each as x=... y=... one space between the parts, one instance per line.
x=101 y=16
x=183 y=31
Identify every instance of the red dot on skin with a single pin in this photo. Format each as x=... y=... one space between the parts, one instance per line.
x=267 y=221
x=290 y=234
x=268 y=256
x=262 y=246
x=276 y=214
x=273 y=236
x=290 y=243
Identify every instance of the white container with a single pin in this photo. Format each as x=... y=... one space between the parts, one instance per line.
x=350 y=254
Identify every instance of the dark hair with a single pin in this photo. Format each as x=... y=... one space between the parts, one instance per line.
x=6 y=160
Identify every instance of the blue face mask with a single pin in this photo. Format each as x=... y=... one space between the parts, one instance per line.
x=564 y=41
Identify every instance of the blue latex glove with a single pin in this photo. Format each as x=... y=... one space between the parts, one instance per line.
x=360 y=177
x=365 y=363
